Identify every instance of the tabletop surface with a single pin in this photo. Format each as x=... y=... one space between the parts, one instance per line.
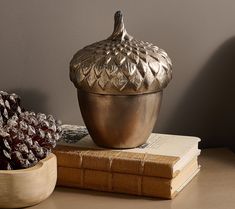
x=212 y=188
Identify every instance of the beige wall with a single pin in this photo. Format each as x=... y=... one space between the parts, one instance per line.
x=39 y=37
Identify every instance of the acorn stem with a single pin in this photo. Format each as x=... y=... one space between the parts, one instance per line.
x=118 y=23
x=119 y=31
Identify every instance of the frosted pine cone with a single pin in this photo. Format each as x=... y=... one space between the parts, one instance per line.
x=9 y=105
x=26 y=139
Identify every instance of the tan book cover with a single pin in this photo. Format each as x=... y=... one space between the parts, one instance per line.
x=127 y=183
x=162 y=156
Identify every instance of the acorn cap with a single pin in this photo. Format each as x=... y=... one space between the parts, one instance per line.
x=120 y=65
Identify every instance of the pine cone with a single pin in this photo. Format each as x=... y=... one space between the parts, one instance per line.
x=9 y=105
x=25 y=137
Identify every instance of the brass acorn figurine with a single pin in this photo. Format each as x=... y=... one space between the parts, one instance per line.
x=119 y=84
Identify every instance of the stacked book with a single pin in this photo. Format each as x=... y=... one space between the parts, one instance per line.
x=160 y=168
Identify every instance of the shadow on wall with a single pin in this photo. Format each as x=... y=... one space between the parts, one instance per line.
x=32 y=99
x=207 y=110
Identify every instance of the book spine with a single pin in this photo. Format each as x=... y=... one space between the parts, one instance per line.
x=117 y=161
x=114 y=182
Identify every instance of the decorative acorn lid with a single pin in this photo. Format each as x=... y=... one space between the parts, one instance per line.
x=120 y=65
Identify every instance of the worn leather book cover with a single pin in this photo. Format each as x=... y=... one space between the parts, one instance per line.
x=162 y=156
x=127 y=183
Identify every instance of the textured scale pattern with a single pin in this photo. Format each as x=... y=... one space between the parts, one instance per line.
x=121 y=65
x=25 y=137
x=9 y=105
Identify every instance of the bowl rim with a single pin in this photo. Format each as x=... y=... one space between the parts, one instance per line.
x=31 y=169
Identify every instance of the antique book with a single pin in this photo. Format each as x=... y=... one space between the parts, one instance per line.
x=162 y=156
x=127 y=183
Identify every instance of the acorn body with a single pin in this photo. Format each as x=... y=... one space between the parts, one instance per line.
x=119 y=85
x=119 y=121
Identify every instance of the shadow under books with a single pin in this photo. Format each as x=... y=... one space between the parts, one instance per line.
x=207 y=110
x=106 y=194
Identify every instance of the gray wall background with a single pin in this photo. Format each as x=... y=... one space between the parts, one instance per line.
x=38 y=39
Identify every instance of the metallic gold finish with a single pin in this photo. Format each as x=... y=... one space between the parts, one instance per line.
x=121 y=65
x=120 y=82
x=119 y=121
